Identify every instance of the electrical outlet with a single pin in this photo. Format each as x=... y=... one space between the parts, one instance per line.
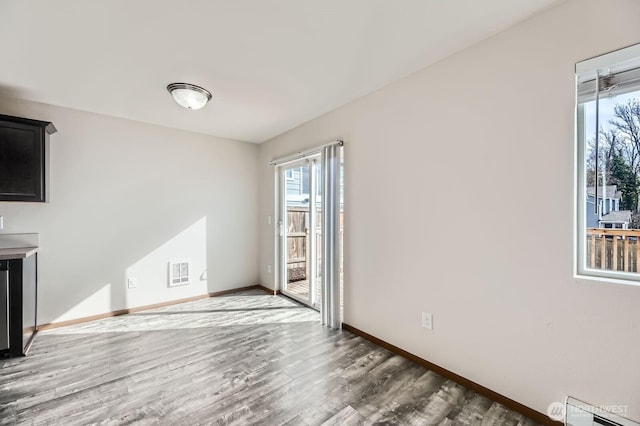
x=427 y=320
x=269 y=220
x=131 y=283
x=268 y=269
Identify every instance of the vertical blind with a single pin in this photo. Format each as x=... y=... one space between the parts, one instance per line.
x=330 y=305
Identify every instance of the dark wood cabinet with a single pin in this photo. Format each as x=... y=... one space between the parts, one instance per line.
x=22 y=158
x=18 y=310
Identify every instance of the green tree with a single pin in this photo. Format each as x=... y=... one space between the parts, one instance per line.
x=623 y=175
x=619 y=155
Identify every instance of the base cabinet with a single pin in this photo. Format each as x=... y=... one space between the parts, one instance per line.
x=18 y=306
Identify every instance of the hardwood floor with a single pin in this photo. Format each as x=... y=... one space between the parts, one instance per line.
x=246 y=358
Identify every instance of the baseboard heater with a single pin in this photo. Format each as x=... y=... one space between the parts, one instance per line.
x=580 y=413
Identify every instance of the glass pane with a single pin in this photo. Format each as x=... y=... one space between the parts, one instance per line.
x=612 y=188
x=296 y=233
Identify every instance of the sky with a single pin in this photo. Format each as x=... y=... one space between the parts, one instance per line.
x=606 y=112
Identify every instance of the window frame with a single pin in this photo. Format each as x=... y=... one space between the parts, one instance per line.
x=615 y=62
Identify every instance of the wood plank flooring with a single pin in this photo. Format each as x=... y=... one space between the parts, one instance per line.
x=243 y=359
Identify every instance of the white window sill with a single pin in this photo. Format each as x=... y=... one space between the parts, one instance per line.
x=608 y=280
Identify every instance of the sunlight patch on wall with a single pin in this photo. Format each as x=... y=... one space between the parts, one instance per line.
x=148 y=280
x=100 y=302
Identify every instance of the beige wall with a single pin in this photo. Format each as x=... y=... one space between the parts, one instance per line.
x=125 y=199
x=459 y=201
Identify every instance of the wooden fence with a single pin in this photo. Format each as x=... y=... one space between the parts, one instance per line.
x=299 y=240
x=297 y=243
x=613 y=249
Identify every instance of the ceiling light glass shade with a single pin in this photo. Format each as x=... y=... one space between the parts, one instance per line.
x=188 y=95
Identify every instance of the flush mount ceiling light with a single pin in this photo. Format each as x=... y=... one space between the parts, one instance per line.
x=188 y=95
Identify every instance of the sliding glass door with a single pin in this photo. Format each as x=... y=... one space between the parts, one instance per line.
x=300 y=230
x=310 y=213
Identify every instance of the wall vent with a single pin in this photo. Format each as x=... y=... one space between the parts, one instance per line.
x=580 y=413
x=179 y=273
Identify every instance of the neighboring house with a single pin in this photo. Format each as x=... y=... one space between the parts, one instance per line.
x=297 y=186
x=297 y=183
x=609 y=213
x=617 y=219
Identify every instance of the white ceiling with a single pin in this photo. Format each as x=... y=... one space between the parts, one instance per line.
x=270 y=64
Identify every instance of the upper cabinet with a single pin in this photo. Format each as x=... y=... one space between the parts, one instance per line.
x=23 y=145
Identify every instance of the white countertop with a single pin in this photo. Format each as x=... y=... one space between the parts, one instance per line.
x=17 y=253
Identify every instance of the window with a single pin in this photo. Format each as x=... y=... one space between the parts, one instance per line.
x=288 y=174
x=608 y=166
x=305 y=181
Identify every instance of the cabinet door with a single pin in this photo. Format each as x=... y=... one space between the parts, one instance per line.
x=21 y=162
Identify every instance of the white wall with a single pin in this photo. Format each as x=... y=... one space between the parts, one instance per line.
x=125 y=199
x=494 y=122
